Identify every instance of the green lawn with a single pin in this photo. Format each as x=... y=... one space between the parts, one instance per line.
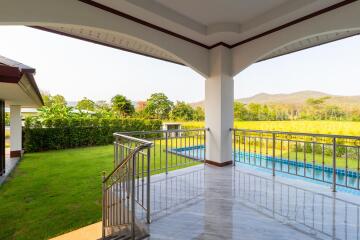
x=54 y=192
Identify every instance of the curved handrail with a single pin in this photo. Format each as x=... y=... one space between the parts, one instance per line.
x=130 y=138
x=130 y=156
x=111 y=206
x=161 y=131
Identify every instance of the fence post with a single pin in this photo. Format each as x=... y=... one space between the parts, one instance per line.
x=166 y=152
x=273 y=155
x=233 y=151
x=148 y=188
x=334 y=165
x=133 y=177
x=103 y=204
x=205 y=145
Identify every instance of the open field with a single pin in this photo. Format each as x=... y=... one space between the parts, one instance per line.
x=54 y=192
x=325 y=127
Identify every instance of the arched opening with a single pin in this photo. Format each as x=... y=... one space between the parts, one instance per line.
x=305 y=112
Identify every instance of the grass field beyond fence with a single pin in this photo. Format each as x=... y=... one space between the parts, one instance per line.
x=53 y=192
x=324 y=127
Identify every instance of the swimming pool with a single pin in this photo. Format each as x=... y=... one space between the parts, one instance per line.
x=324 y=173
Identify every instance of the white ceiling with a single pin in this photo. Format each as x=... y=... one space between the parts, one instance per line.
x=213 y=21
x=217 y=11
x=207 y=22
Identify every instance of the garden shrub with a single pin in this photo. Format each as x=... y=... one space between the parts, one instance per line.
x=63 y=133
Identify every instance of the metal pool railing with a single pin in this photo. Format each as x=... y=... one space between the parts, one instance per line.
x=328 y=158
x=174 y=149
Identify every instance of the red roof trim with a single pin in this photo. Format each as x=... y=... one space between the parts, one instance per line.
x=7 y=71
x=9 y=74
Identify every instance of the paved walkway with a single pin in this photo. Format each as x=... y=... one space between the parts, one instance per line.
x=10 y=164
x=91 y=232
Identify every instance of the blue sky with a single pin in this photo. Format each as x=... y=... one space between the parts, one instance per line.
x=78 y=69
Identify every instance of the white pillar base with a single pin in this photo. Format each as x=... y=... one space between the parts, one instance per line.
x=219 y=112
x=15 y=131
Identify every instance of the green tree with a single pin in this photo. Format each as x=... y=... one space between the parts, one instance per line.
x=315 y=108
x=58 y=100
x=55 y=111
x=182 y=111
x=254 y=111
x=86 y=104
x=240 y=111
x=50 y=100
x=54 y=108
x=199 y=114
x=334 y=113
x=122 y=106
x=158 y=106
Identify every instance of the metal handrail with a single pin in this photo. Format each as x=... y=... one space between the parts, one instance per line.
x=130 y=156
x=127 y=188
x=297 y=133
x=163 y=131
x=256 y=148
x=170 y=149
x=130 y=138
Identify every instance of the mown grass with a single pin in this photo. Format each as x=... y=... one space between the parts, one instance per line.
x=54 y=192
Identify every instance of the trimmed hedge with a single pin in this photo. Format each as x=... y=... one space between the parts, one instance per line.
x=65 y=133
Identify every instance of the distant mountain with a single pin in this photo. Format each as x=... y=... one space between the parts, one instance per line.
x=296 y=98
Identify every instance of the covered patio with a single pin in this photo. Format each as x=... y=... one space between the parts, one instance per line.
x=216 y=39
x=218 y=199
x=206 y=202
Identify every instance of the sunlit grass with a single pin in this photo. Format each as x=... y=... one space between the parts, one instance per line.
x=324 y=127
x=54 y=192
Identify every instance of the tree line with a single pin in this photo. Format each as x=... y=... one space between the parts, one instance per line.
x=312 y=109
x=158 y=106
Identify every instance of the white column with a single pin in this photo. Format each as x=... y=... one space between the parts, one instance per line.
x=219 y=112
x=15 y=131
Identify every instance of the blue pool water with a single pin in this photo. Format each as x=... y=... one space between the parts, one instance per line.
x=317 y=172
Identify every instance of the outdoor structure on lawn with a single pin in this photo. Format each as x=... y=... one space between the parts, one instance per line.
x=17 y=89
